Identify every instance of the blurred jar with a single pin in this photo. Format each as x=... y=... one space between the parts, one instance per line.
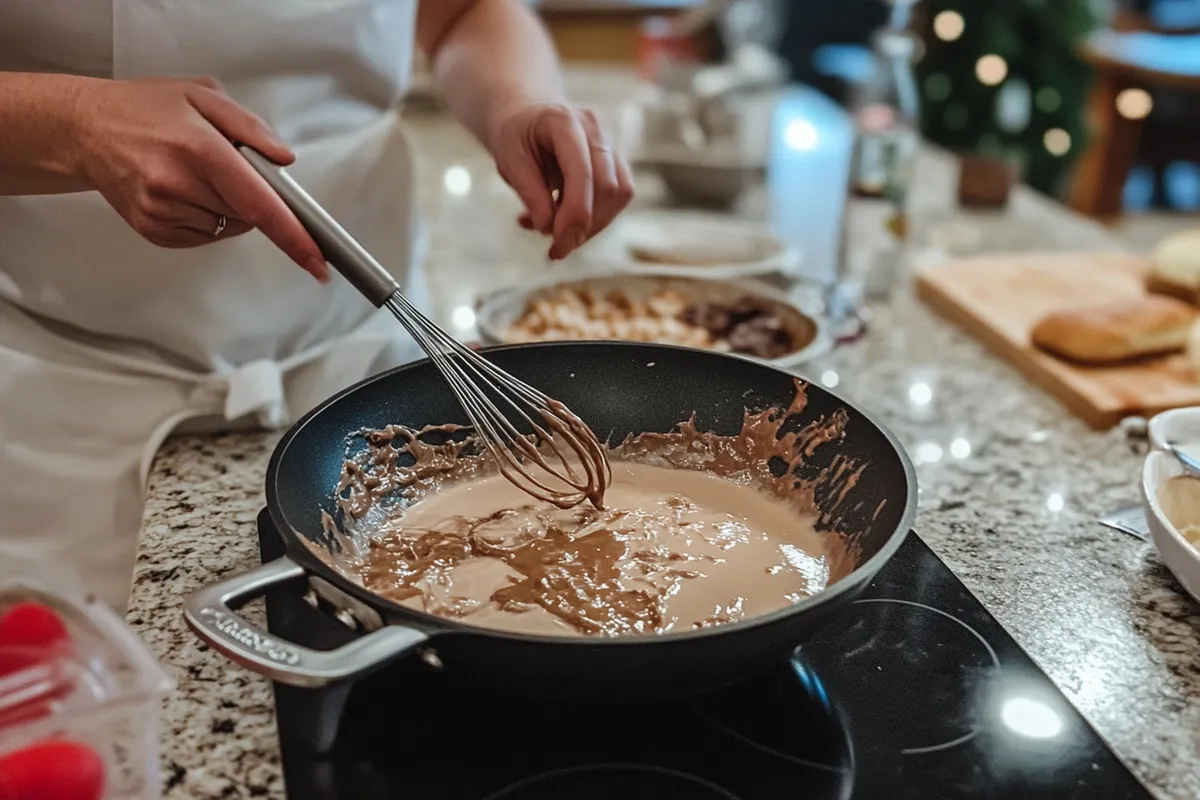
x=662 y=49
x=886 y=110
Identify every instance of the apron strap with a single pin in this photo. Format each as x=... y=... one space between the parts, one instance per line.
x=257 y=387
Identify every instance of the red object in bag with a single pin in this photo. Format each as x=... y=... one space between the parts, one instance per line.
x=32 y=636
x=53 y=770
x=26 y=631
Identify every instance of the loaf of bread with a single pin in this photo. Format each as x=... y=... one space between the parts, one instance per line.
x=1115 y=332
x=1175 y=267
x=1193 y=350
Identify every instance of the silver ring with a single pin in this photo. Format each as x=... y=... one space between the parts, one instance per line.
x=221 y=223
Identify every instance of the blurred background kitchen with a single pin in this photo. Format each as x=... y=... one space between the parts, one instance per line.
x=785 y=109
x=1090 y=101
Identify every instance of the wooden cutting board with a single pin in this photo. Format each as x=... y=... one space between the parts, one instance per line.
x=999 y=298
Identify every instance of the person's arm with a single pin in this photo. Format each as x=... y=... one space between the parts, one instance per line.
x=498 y=71
x=35 y=134
x=159 y=151
x=489 y=56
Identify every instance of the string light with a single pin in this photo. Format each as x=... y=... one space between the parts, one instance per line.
x=938 y=86
x=1048 y=99
x=1134 y=103
x=948 y=25
x=991 y=70
x=1057 y=141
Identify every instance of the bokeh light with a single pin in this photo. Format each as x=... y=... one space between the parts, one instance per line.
x=1057 y=141
x=1134 y=103
x=948 y=25
x=1048 y=99
x=938 y=86
x=991 y=70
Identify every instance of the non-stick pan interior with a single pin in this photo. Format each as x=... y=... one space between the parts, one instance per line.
x=618 y=389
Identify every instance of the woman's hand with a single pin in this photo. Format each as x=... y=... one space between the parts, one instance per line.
x=161 y=153
x=542 y=149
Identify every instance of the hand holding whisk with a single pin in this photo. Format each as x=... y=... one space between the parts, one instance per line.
x=563 y=463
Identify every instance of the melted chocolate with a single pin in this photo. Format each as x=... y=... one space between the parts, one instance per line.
x=554 y=566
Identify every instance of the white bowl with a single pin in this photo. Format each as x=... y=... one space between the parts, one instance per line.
x=1169 y=500
x=745 y=249
x=1180 y=425
x=709 y=185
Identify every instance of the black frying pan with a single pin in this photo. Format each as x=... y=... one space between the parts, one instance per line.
x=618 y=389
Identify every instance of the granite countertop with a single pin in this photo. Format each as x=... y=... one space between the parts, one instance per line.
x=1011 y=488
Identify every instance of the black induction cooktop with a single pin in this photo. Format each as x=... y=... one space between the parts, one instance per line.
x=914 y=692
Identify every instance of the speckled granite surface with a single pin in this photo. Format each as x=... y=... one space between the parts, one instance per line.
x=1011 y=487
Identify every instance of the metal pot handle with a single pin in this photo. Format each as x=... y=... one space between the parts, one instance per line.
x=210 y=615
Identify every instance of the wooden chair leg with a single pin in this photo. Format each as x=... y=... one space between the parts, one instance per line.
x=1100 y=174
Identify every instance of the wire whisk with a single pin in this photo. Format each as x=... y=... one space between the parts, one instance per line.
x=581 y=466
x=536 y=442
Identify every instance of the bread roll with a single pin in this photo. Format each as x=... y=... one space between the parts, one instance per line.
x=1114 y=332
x=1193 y=349
x=1175 y=267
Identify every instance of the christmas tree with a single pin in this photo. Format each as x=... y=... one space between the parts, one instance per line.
x=1002 y=77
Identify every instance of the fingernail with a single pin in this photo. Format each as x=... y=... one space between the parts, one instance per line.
x=284 y=150
x=319 y=271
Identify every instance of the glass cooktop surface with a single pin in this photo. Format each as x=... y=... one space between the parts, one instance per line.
x=912 y=692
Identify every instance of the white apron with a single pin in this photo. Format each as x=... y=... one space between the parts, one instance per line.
x=108 y=343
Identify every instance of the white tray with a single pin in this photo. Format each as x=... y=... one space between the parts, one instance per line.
x=768 y=253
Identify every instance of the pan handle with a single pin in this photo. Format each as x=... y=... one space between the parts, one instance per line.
x=210 y=614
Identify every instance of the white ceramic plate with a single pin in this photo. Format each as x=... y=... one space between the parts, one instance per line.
x=1167 y=510
x=691 y=244
x=498 y=311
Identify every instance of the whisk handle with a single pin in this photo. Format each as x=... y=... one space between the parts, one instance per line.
x=340 y=249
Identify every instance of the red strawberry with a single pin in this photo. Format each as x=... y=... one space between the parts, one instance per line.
x=32 y=624
x=52 y=770
x=30 y=633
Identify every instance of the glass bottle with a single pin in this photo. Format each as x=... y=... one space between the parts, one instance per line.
x=901 y=376
x=886 y=110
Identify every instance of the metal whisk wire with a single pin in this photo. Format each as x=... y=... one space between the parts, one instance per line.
x=556 y=442
x=580 y=465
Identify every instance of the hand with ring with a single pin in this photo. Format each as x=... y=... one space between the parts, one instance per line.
x=160 y=152
x=541 y=150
